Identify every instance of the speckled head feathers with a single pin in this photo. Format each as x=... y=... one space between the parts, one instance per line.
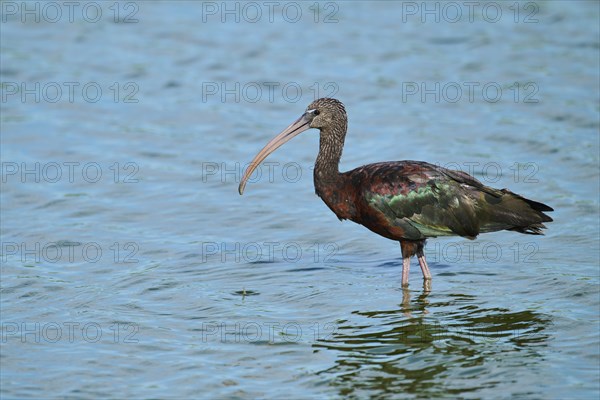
x=328 y=113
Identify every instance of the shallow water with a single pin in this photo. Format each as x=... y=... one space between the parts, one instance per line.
x=132 y=268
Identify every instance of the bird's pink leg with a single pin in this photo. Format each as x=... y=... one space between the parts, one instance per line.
x=405 y=270
x=424 y=266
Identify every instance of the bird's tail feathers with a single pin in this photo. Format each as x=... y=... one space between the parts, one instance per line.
x=509 y=211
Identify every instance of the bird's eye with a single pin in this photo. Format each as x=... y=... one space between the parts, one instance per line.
x=316 y=112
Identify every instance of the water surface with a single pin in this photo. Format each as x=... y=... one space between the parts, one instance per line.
x=132 y=268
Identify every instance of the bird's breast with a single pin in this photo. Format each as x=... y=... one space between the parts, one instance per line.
x=338 y=195
x=339 y=203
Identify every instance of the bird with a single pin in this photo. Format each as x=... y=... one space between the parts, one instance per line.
x=405 y=201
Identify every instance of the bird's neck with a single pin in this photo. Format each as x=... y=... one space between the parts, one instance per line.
x=328 y=160
x=330 y=185
x=327 y=164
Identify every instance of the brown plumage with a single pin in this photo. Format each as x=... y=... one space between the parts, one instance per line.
x=407 y=201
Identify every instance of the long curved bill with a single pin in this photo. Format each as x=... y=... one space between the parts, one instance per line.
x=299 y=126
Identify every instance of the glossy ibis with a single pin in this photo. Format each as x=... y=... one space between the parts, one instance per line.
x=407 y=201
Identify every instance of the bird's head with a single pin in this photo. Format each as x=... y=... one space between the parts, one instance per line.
x=326 y=114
